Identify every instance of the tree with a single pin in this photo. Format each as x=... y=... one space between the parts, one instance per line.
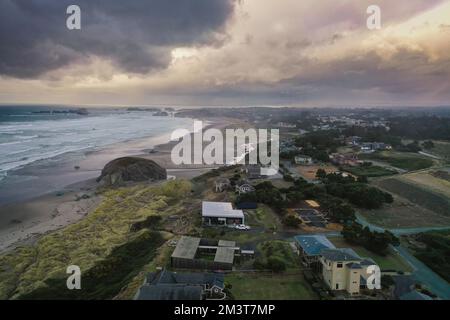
x=321 y=174
x=362 y=179
x=428 y=145
x=291 y=221
x=276 y=264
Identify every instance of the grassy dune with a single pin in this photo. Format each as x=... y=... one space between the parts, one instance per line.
x=102 y=245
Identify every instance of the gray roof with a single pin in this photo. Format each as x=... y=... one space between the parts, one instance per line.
x=220 y=209
x=224 y=255
x=186 y=248
x=187 y=278
x=354 y=266
x=169 y=292
x=227 y=243
x=343 y=254
x=314 y=244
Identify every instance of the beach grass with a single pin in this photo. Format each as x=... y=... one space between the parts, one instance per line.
x=97 y=244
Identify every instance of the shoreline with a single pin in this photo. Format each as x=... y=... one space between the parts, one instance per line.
x=24 y=221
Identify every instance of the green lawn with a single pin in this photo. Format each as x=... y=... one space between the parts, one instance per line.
x=268 y=287
x=370 y=171
x=391 y=261
x=402 y=160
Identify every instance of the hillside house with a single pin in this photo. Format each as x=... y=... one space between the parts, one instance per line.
x=221 y=214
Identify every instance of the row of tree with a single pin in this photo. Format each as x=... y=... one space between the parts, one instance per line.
x=377 y=242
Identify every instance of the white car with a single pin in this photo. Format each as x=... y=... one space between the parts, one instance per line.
x=242 y=227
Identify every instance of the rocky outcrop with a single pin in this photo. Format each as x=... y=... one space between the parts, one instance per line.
x=130 y=169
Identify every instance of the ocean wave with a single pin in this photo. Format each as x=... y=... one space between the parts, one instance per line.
x=25 y=143
x=26 y=137
x=3 y=175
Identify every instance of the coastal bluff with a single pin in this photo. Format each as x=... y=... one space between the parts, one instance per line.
x=130 y=169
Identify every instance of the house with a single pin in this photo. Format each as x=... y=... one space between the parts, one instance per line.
x=353 y=141
x=222 y=184
x=344 y=269
x=204 y=254
x=303 y=160
x=310 y=246
x=253 y=171
x=349 y=159
x=312 y=204
x=247 y=205
x=221 y=214
x=167 y=285
x=368 y=147
x=243 y=186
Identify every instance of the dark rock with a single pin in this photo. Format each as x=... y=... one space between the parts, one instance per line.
x=132 y=169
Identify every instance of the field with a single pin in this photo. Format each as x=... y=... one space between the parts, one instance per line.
x=257 y=286
x=441 y=149
x=309 y=172
x=392 y=261
x=434 y=181
x=402 y=160
x=370 y=171
x=404 y=214
x=418 y=194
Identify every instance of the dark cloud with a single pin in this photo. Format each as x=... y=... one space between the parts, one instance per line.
x=136 y=35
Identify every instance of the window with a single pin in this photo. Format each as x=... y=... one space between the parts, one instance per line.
x=339 y=265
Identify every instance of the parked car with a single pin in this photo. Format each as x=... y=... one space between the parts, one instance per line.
x=242 y=227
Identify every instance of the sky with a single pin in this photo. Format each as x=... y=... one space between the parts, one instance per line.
x=313 y=53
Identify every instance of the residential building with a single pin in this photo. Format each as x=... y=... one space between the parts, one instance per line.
x=244 y=186
x=353 y=140
x=204 y=254
x=310 y=246
x=221 y=214
x=253 y=171
x=375 y=146
x=222 y=184
x=303 y=160
x=344 y=269
x=349 y=159
x=167 y=285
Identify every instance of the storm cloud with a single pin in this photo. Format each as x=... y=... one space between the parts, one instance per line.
x=137 y=35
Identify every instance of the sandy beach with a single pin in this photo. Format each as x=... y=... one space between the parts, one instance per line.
x=25 y=219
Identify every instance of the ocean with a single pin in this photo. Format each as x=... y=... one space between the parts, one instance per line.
x=30 y=135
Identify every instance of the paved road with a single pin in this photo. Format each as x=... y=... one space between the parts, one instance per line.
x=421 y=272
x=425 y=275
